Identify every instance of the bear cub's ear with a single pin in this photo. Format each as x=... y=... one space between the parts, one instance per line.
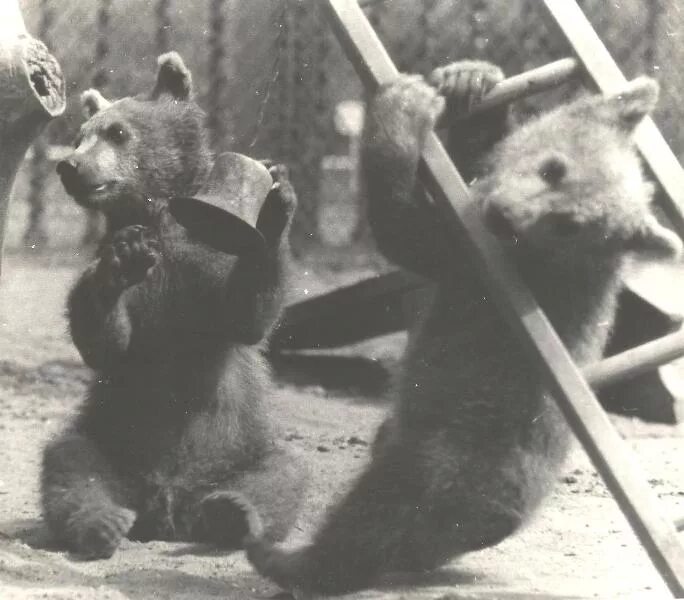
x=652 y=240
x=629 y=106
x=93 y=102
x=173 y=77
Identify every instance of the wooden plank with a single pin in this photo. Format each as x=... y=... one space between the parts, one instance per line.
x=606 y=449
x=366 y=309
x=378 y=306
x=607 y=77
x=636 y=361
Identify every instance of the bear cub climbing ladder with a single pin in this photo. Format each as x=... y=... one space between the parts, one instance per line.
x=571 y=387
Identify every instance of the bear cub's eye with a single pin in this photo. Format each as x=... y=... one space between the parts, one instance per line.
x=116 y=133
x=552 y=171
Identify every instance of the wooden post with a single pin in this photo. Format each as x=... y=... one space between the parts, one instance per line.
x=31 y=93
x=604 y=446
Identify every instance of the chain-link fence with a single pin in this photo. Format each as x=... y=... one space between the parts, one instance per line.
x=270 y=74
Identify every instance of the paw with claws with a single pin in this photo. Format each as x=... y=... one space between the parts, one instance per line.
x=129 y=256
x=404 y=112
x=278 y=209
x=97 y=532
x=465 y=83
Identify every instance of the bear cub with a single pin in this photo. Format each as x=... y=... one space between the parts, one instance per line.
x=475 y=441
x=174 y=328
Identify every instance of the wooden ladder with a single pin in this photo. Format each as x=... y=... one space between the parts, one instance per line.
x=571 y=387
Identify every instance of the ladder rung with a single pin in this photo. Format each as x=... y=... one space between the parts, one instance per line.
x=527 y=84
x=635 y=361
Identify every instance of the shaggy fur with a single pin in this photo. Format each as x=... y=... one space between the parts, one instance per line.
x=475 y=442
x=176 y=414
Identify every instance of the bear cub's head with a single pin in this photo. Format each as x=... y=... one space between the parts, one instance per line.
x=149 y=146
x=570 y=186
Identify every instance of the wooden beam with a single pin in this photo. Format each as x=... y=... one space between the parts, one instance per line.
x=347 y=315
x=374 y=307
x=32 y=91
x=607 y=450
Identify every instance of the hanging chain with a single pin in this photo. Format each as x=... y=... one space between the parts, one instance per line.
x=101 y=77
x=652 y=35
x=425 y=53
x=279 y=44
x=217 y=71
x=163 y=25
x=479 y=26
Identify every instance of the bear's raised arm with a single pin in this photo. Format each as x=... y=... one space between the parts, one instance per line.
x=103 y=305
x=247 y=289
x=407 y=228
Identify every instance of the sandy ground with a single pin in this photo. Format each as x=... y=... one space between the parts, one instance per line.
x=579 y=546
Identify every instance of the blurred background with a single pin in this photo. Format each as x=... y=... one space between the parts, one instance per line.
x=275 y=84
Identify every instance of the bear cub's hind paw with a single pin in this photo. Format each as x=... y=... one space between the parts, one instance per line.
x=129 y=256
x=97 y=532
x=228 y=519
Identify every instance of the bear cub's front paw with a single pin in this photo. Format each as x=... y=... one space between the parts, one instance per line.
x=403 y=113
x=278 y=209
x=128 y=257
x=97 y=532
x=464 y=83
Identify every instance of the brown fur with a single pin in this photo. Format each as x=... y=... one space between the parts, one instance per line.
x=174 y=329
x=475 y=442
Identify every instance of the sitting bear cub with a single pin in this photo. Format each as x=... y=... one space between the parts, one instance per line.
x=174 y=329
x=475 y=441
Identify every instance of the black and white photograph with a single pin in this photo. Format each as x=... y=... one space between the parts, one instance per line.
x=362 y=299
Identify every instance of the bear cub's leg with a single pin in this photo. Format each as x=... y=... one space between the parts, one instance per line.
x=83 y=499
x=273 y=489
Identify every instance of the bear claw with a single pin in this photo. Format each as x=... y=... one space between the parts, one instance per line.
x=129 y=257
x=97 y=533
x=279 y=206
x=465 y=83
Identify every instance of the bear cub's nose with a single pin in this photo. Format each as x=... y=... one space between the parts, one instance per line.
x=68 y=173
x=498 y=224
x=66 y=168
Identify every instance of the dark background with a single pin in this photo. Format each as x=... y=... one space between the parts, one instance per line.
x=270 y=74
